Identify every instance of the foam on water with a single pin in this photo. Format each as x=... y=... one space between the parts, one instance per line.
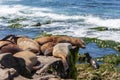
x=78 y=25
x=110 y=23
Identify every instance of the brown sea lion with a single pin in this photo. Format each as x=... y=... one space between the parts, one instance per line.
x=43 y=40
x=7 y=46
x=29 y=58
x=47 y=48
x=61 y=50
x=9 y=38
x=28 y=44
x=74 y=41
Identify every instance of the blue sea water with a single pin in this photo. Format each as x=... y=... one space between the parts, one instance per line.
x=68 y=17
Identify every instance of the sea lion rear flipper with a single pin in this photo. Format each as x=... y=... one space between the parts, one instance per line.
x=37 y=67
x=8 y=37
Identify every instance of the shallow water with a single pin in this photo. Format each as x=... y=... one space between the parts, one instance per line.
x=95 y=51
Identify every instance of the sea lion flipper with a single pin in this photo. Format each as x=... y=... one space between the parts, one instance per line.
x=8 y=37
x=37 y=67
x=48 y=52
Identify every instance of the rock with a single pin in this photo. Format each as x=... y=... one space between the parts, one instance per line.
x=37 y=24
x=52 y=66
x=7 y=74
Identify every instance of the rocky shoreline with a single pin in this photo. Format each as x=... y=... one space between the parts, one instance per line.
x=53 y=67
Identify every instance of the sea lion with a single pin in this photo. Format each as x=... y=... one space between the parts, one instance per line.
x=12 y=48
x=9 y=38
x=74 y=41
x=29 y=58
x=8 y=46
x=28 y=44
x=61 y=50
x=7 y=60
x=47 y=48
x=43 y=40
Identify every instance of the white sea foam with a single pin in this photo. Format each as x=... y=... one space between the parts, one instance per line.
x=110 y=23
x=32 y=12
x=73 y=29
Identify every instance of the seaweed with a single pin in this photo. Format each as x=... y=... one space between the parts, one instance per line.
x=103 y=43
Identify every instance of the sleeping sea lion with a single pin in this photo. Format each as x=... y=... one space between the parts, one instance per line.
x=74 y=41
x=7 y=46
x=43 y=40
x=28 y=44
x=29 y=58
x=47 y=48
x=61 y=50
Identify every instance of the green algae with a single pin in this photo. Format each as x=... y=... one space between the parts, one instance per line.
x=16 y=25
x=16 y=20
x=105 y=72
x=73 y=59
x=100 y=28
x=42 y=35
x=103 y=43
x=3 y=17
x=48 y=22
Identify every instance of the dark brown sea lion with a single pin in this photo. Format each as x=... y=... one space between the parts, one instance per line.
x=30 y=59
x=7 y=46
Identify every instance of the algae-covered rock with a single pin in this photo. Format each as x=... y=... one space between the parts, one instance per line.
x=3 y=17
x=111 y=59
x=105 y=72
x=37 y=24
x=100 y=28
x=16 y=20
x=103 y=43
x=16 y=25
x=43 y=34
x=48 y=22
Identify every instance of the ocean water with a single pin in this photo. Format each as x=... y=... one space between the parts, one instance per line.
x=68 y=17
